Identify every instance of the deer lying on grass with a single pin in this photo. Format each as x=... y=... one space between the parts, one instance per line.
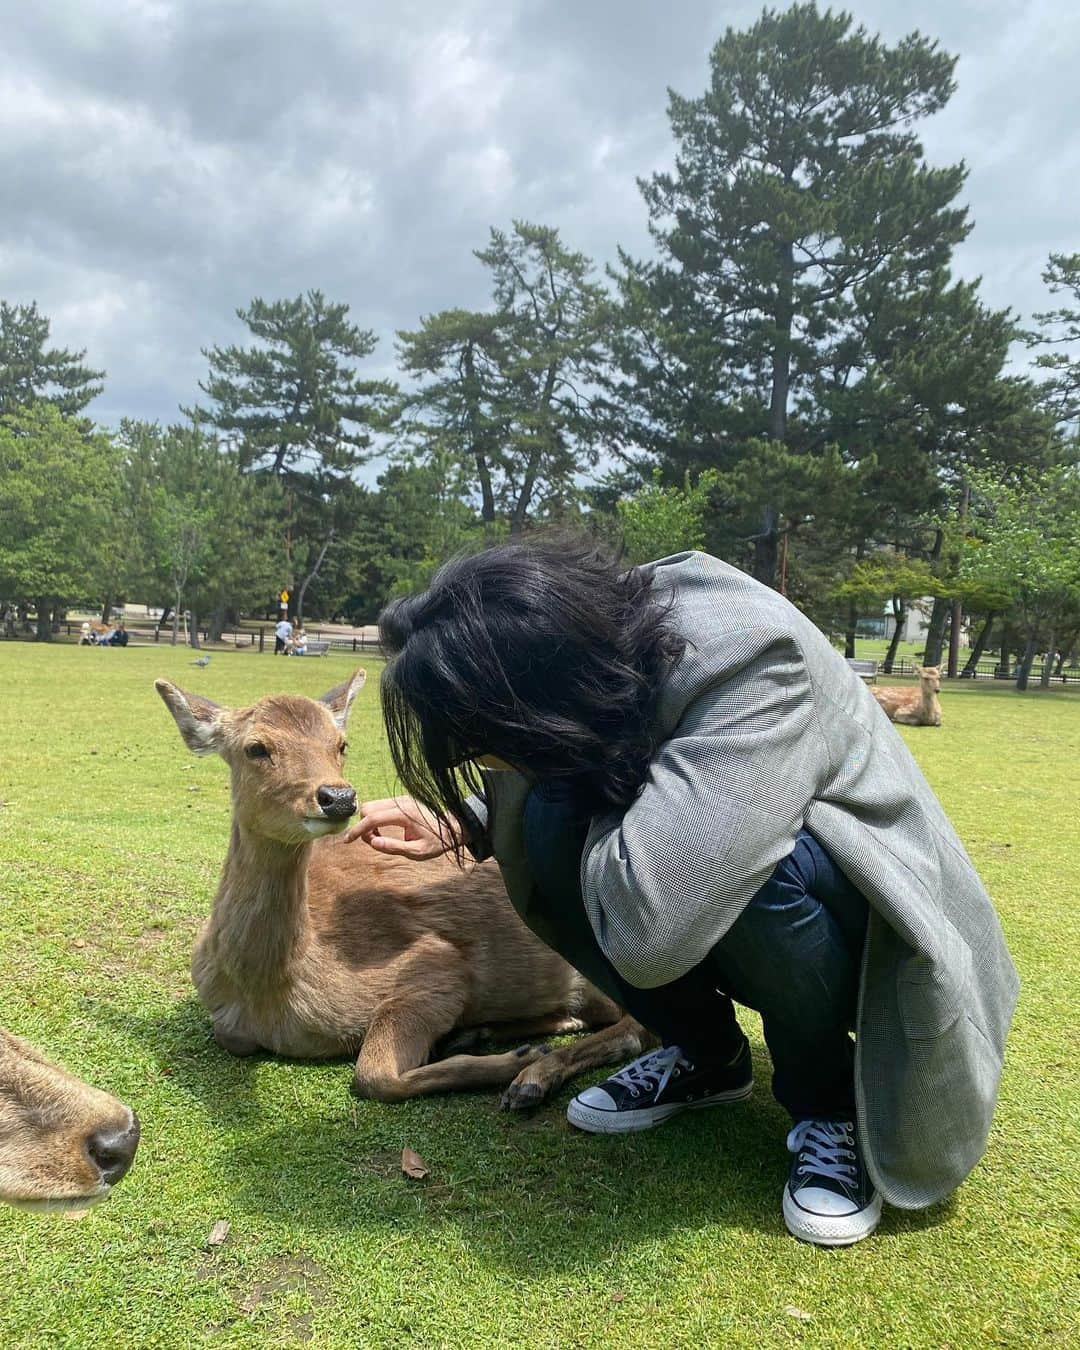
x=63 y=1144
x=914 y=707
x=318 y=948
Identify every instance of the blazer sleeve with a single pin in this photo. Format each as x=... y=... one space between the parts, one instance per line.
x=724 y=801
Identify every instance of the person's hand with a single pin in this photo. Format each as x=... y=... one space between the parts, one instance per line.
x=424 y=836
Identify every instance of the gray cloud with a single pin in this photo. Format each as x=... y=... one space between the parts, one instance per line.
x=165 y=162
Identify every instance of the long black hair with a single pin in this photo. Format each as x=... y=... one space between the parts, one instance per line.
x=542 y=653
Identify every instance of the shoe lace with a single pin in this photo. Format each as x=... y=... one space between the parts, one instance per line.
x=651 y=1072
x=826 y=1148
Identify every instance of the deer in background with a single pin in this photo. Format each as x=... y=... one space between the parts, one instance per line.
x=919 y=707
x=63 y=1144
x=320 y=948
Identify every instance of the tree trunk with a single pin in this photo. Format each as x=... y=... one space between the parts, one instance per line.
x=968 y=673
x=849 y=631
x=1006 y=650
x=1023 y=670
x=311 y=577
x=106 y=609
x=955 y=627
x=193 y=631
x=44 y=620
x=899 y=605
x=217 y=623
x=766 y=548
x=176 y=621
x=483 y=471
x=1048 y=663
x=957 y=605
x=166 y=611
x=521 y=506
x=935 y=634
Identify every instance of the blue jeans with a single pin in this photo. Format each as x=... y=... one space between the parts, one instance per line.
x=793 y=955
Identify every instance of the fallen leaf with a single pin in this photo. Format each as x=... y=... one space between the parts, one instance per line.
x=80 y=943
x=218 y=1233
x=413 y=1165
x=799 y=1313
x=618 y=1296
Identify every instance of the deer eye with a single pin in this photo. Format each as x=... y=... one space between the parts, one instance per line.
x=256 y=750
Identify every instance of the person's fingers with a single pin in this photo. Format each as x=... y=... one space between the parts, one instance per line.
x=420 y=849
x=383 y=803
x=390 y=815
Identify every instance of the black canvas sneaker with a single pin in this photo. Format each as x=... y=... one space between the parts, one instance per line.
x=829 y=1199
x=656 y=1086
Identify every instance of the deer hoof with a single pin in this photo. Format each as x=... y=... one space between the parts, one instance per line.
x=235 y=1044
x=468 y=1041
x=522 y=1096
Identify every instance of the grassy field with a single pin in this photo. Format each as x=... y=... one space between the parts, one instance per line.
x=526 y=1233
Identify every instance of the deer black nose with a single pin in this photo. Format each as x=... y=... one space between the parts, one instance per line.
x=337 y=802
x=112 y=1152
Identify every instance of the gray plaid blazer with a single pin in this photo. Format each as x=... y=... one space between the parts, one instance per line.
x=763 y=728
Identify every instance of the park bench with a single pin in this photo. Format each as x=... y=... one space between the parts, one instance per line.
x=866 y=670
x=317 y=647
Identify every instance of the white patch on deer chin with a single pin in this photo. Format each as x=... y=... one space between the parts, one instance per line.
x=320 y=825
x=61 y=1206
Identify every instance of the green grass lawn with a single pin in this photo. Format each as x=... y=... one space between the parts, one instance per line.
x=525 y=1233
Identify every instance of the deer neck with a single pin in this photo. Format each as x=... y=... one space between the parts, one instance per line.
x=260 y=917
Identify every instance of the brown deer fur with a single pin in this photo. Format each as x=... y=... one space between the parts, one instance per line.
x=315 y=947
x=48 y=1122
x=914 y=707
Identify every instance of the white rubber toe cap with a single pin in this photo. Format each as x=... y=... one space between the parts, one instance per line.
x=823 y=1202
x=597 y=1099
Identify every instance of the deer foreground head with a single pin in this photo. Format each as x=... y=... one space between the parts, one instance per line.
x=929 y=678
x=63 y=1144
x=286 y=753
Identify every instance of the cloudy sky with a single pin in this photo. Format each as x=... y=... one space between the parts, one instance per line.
x=164 y=161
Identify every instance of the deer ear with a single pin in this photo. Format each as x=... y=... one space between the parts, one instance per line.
x=199 y=720
x=339 y=699
x=916 y=667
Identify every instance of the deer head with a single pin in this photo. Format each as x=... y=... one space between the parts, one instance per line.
x=286 y=754
x=63 y=1144
x=929 y=678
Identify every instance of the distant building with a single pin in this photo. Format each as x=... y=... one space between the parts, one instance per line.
x=916 y=622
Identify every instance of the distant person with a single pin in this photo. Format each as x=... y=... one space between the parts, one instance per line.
x=119 y=636
x=299 y=643
x=282 y=637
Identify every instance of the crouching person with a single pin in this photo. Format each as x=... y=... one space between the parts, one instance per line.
x=697 y=803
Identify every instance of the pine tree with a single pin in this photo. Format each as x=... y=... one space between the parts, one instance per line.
x=31 y=370
x=508 y=393
x=798 y=184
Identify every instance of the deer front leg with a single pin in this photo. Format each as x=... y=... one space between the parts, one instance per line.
x=625 y=1040
x=392 y=1064
x=234 y=1042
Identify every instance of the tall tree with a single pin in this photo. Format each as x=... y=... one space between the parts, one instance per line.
x=294 y=403
x=798 y=181
x=57 y=506
x=508 y=393
x=1024 y=547
x=207 y=534
x=1060 y=329
x=295 y=407
x=32 y=370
